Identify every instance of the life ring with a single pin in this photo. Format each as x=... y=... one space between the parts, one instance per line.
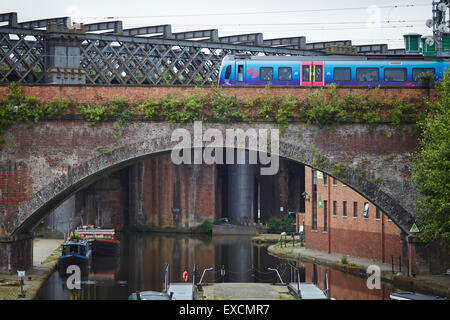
x=185 y=276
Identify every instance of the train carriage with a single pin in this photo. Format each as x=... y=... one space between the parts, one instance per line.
x=244 y=70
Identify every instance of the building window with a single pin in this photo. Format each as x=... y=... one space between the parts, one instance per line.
x=355 y=209
x=334 y=208
x=377 y=214
x=344 y=209
x=314 y=216
x=325 y=179
x=266 y=73
x=285 y=74
x=325 y=215
x=366 y=210
x=334 y=182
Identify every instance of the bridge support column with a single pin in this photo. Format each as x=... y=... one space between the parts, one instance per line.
x=241 y=191
x=16 y=254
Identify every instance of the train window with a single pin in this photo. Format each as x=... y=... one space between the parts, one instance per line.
x=318 y=73
x=266 y=73
x=395 y=74
x=240 y=73
x=305 y=71
x=342 y=74
x=228 y=72
x=285 y=74
x=367 y=74
x=417 y=71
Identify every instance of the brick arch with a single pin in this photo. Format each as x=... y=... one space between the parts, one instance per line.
x=47 y=198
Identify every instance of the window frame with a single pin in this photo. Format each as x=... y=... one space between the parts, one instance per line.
x=427 y=70
x=290 y=68
x=228 y=68
x=239 y=68
x=355 y=209
x=261 y=73
x=344 y=209
x=405 y=72
x=303 y=72
x=334 y=74
x=368 y=68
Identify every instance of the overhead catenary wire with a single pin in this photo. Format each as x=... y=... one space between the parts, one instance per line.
x=256 y=12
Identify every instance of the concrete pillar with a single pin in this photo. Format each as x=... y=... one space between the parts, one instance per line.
x=241 y=191
x=16 y=254
x=63 y=54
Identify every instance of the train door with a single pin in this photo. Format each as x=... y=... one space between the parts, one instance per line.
x=306 y=73
x=318 y=73
x=312 y=73
x=240 y=73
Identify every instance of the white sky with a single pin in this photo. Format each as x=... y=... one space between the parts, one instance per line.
x=363 y=21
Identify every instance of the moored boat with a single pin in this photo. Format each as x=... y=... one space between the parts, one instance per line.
x=103 y=241
x=75 y=251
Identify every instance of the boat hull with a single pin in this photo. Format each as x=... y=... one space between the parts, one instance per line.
x=105 y=247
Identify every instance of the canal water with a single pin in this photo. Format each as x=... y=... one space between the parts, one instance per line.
x=139 y=267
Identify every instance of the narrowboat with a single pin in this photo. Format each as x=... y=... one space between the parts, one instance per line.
x=103 y=241
x=75 y=251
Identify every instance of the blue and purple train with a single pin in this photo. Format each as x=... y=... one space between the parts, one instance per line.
x=237 y=70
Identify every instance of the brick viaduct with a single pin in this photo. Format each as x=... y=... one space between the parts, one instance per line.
x=49 y=161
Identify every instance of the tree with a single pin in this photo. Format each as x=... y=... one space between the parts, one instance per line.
x=431 y=169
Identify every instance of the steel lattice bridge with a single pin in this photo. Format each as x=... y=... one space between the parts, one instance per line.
x=58 y=52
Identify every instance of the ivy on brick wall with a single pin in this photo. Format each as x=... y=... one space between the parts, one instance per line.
x=323 y=108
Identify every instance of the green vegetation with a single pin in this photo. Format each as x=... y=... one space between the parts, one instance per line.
x=431 y=167
x=278 y=225
x=323 y=108
x=93 y=113
x=204 y=227
x=104 y=150
x=344 y=260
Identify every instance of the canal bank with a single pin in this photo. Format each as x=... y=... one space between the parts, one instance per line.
x=45 y=257
x=438 y=285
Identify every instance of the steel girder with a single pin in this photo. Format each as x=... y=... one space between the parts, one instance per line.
x=120 y=59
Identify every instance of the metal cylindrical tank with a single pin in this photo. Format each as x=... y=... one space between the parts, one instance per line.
x=241 y=191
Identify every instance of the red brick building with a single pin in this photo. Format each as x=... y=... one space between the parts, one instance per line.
x=339 y=220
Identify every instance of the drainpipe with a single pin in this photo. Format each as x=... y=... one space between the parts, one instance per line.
x=328 y=214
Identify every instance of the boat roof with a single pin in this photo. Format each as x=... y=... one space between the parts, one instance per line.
x=413 y=296
x=75 y=243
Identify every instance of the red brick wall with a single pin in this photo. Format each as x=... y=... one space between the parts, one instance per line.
x=368 y=238
x=192 y=188
x=134 y=94
x=343 y=288
x=14 y=187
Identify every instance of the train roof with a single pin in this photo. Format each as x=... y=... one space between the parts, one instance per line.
x=336 y=58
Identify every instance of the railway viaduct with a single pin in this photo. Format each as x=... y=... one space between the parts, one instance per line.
x=44 y=163
x=49 y=161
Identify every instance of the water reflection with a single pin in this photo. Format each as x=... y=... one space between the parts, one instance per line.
x=142 y=256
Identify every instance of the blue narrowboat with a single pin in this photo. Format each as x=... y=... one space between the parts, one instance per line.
x=75 y=251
